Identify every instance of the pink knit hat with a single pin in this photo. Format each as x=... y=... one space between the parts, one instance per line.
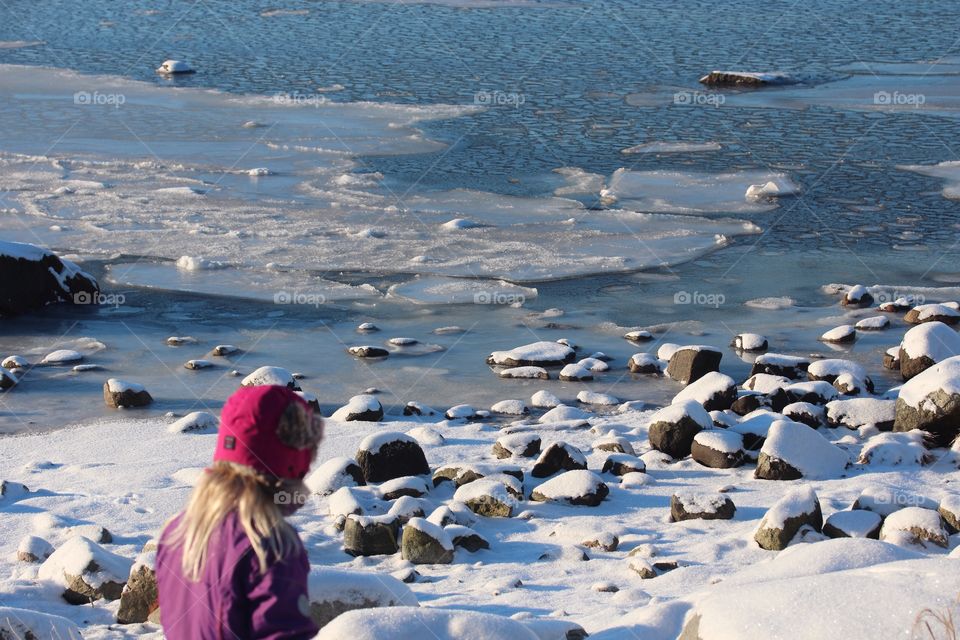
x=268 y=428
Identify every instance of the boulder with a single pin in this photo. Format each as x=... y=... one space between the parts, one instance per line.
x=806 y=413
x=620 y=464
x=537 y=354
x=461 y=412
x=194 y=422
x=61 y=356
x=580 y=487
x=873 y=323
x=855 y=523
x=140 y=597
x=360 y=408
x=829 y=369
x=367 y=351
x=718 y=449
x=638 y=336
x=861 y=412
x=644 y=363
x=749 y=342
x=7 y=380
x=33 y=549
x=714 y=390
x=418 y=409
x=270 y=376
x=857 y=296
x=776 y=364
x=794 y=450
x=783 y=520
x=371 y=535
x=384 y=456
x=744 y=79
x=492 y=496
x=596 y=398
x=604 y=541
x=701 y=506
x=523 y=445
x=815 y=392
x=950 y=511
x=673 y=428
x=915 y=526
x=466 y=538
x=86 y=571
x=424 y=542
x=409 y=486
x=884 y=500
x=524 y=373
x=121 y=394
x=34 y=277
x=925 y=345
x=510 y=408
x=891 y=359
x=333 y=474
x=333 y=592
x=689 y=364
x=544 y=400
x=559 y=456
x=931 y=402
x=840 y=335
x=439 y=624
x=932 y=313
x=575 y=373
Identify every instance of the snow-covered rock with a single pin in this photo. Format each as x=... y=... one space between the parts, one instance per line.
x=25 y=624
x=718 y=448
x=33 y=549
x=62 y=356
x=780 y=365
x=860 y=412
x=638 y=336
x=750 y=342
x=794 y=450
x=335 y=591
x=510 y=408
x=270 y=376
x=493 y=496
x=857 y=296
x=701 y=506
x=386 y=455
x=121 y=394
x=542 y=354
x=673 y=428
x=915 y=526
x=524 y=444
x=690 y=363
x=175 y=67
x=525 y=373
x=855 y=523
x=715 y=391
x=931 y=402
x=829 y=369
x=891 y=449
x=575 y=373
x=334 y=474
x=783 y=520
x=424 y=542
x=563 y=413
x=746 y=78
x=34 y=277
x=644 y=363
x=362 y=408
x=766 y=383
x=366 y=351
x=419 y=622
x=925 y=345
x=873 y=323
x=807 y=413
x=620 y=464
x=544 y=400
x=596 y=398
x=195 y=421
x=932 y=313
x=86 y=571
x=371 y=535
x=579 y=487
x=559 y=456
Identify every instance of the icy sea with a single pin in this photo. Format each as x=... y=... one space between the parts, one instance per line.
x=522 y=170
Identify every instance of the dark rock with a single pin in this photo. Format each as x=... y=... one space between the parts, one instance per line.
x=688 y=364
x=119 y=394
x=34 y=277
x=782 y=522
x=707 y=450
x=672 y=429
x=522 y=445
x=426 y=543
x=559 y=456
x=701 y=507
x=366 y=351
x=620 y=464
x=746 y=404
x=365 y=536
x=770 y=468
x=466 y=538
x=140 y=597
x=853 y=524
x=396 y=458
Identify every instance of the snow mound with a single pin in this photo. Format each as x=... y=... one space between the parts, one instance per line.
x=805 y=450
x=409 y=623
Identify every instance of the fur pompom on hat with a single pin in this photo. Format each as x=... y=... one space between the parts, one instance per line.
x=270 y=429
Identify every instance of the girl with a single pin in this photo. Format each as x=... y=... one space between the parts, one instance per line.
x=229 y=566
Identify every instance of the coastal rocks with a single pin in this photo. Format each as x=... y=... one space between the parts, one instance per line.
x=695 y=506
x=830 y=369
x=714 y=390
x=524 y=373
x=718 y=449
x=62 y=356
x=638 y=336
x=672 y=429
x=333 y=592
x=412 y=622
x=34 y=277
x=688 y=364
x=270 y=376
x=24 y=624
x=7 y=380
x=140 y=597
x=371 y=536
x=794 y=450
x=644 y=363
x=915 y=526
x=33 y=549
x=175 y=67
x=925 y=345
x=197 y=365
x=749 y=342
x=492 y=496
x=86 y=571
x=857 y=296
x=544 y=400
x=744 y=79
x=121 y=394
x=860 y=412
x=806 y=413
x=466 y=538
x=799 y=507
x=580 y=487
x=559 y=456
x=855 y=523
x=575 y=373
x=776 y=364
x=538 y=354
x=360 y=408
x=840 y=335
x=334 y=474
x=932 y=313
x=223 y=350
x=461 y=412
x=368 y=351
x=523 y=445
x=620 y=464
x=931 y=402
x=194 y=422
x=873 y=323
x=424 y=542
x=384 y=456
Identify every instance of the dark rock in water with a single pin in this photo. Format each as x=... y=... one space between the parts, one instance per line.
x=783 y=521
x=742 y=79
x=371 y=536
x=559 y=456
x=34 y=277
x=644 y=363
x=7 y=380
x=750 y=342
x=857 y=296
x=779 y=399
x=780 y=365
x=932 y=313
x=701 y=507
x=367 y=351
x=120 y=394
x=385 y=456
x=688 y=364
x=224 y=350
x=426 y=543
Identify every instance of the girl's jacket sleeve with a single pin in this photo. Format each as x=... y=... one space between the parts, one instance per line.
x=278 y=599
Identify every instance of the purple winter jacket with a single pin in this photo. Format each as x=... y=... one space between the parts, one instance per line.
x=233 y=600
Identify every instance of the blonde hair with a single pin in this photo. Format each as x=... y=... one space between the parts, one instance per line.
x=227 y=487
